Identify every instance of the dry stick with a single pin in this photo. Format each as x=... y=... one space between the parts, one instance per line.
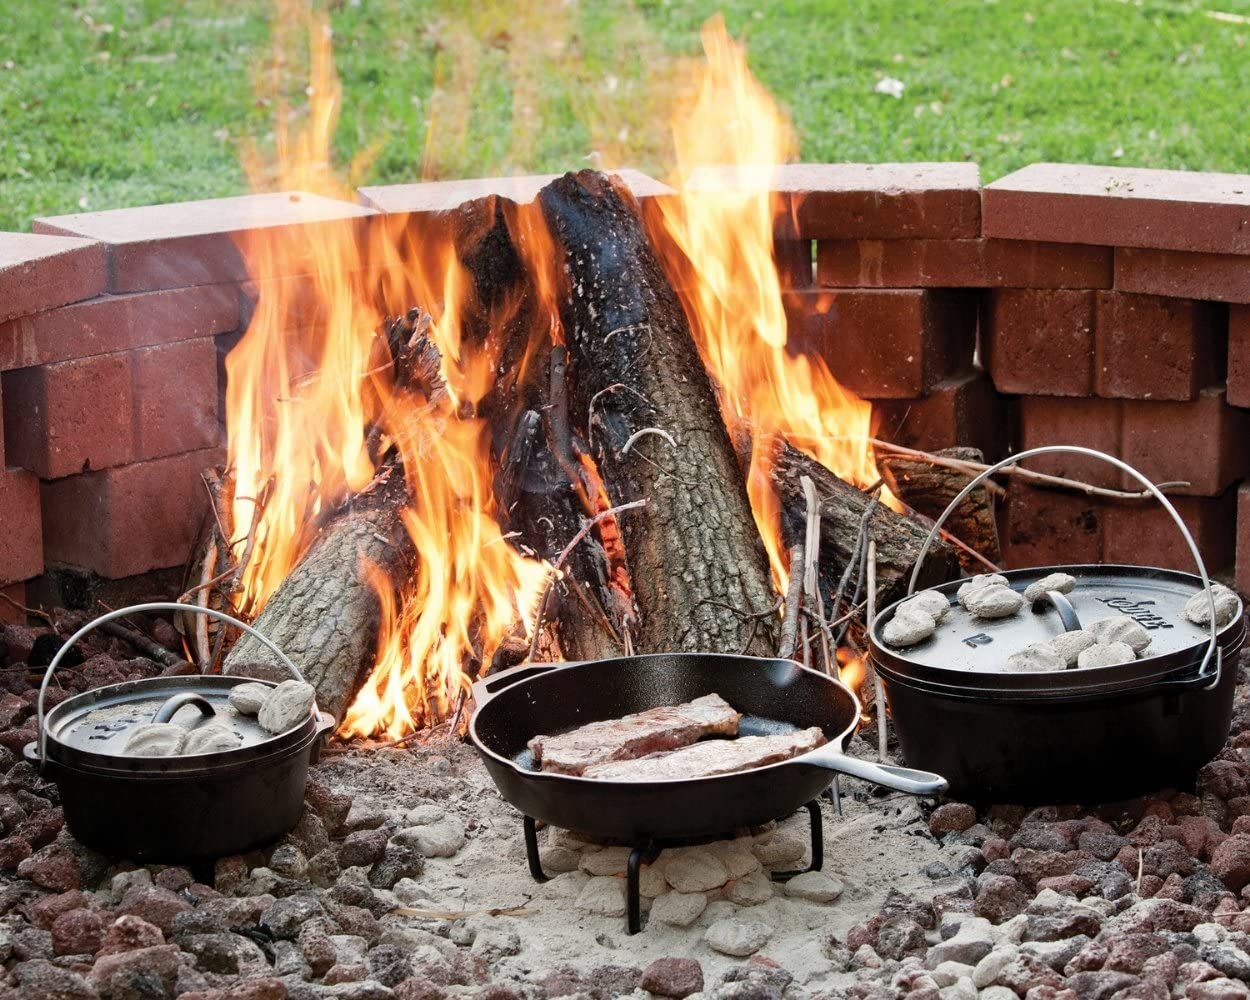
x=202 y=652
x=811 y=562
x=33 y=612
x=882 y=734
x=559 y=561
x=494 y=911
x=973 y=468
x=856 y=561
x=149 y=647
x=948 y=537
x=794 y=600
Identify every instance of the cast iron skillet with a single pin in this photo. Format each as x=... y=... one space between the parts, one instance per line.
x=773 y=695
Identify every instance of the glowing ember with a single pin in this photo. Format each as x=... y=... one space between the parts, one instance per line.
x=717 y=243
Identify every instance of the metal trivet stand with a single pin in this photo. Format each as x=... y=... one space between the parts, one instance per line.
x=647 y=853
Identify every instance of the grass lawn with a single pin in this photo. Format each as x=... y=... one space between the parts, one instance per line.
x=107 y=103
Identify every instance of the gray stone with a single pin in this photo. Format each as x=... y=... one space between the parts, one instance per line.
x=441 y=839
x=949 y=973
x=816 y=887
x=286 y=706
x=964 y=989
x=1061 y=582
x=998 y=993
x=247 y=698
x=493 y=943
x=424 y=814
x=970 y=943
x=987 y=970
x=678 y=909
x=737 y=937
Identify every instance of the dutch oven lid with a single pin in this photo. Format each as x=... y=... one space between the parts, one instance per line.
x=970 y=651
x=90 y=730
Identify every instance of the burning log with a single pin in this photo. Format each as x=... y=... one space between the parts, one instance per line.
x=698 y=568
x=842 y=507
x=928 y=488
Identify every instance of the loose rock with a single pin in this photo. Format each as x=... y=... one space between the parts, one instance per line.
x=817 y=887
x=733 y=936
x=673 y=977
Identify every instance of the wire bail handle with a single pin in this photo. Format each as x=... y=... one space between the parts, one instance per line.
x=153 y=606
x=1151 y=488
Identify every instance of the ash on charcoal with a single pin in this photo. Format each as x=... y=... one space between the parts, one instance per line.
x=156 y=739
x=933 y=603
x=1061 y=582
x=1120 y=628
x=908 y=627
x=211 y=737
x=1035 y=657
x=1105 y=654
x=286 y=706
x=1070 y=645
x=248 y=697
x=993 y=601
x=1198 y=608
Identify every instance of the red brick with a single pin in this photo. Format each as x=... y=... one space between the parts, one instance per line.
x=961 y=410
x=12 y=599
x=1087 y=423
x=43 y=272
x=1202 y=442
x=112 y=323
x=1046 y=527
x=961 y=264
x=1243 y=538
x=443 y=196
x=128 y=520
x=69 y=417
x=175 y=398
x=885 y=344
x=1222 y=277
x=1121 y=207
x=1149 y=347
x=1239 y=355
x=1041 y=341
x=198 y=242
x=1140 y=532
x=868 y=201
x=21 y=540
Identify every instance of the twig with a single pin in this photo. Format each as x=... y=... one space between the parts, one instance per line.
x=960 y=544
x=633 y=438
x=494 y=911
x=811 y=563
x=455 y=717
x=590 y=409
x=963 y=465
x=33 y=612
x=559 y=561
x=202 y=652
x=856 y=561
x=149 y=647
x=794 y=601
x=1141 y=866
x=882 y=734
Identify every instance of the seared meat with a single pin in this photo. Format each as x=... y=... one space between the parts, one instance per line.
x=711 y=757
x=654 y=730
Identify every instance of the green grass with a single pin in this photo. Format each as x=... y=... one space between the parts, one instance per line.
x=108 y=103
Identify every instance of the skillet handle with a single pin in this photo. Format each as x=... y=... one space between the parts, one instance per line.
x=901 y=779
x=486 y=688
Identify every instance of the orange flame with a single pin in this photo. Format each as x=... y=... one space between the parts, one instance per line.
x=719 y=250
x=308 y=380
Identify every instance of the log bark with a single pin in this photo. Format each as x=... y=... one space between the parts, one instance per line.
x=928 y=489
x=842 y=507
x=696 y=562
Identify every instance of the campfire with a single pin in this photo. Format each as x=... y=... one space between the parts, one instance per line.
x=564 y=426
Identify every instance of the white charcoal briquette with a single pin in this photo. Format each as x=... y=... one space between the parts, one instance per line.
x=1061 y=582
x=212 y=737
x=976 y=583
x=1198 y=610
x=1069 y=645
x=994 y=601
x=906 y=628
x=932 y=602
x=156 y=739
x=247 y=698
x=1120 y=628
x=286 y=706
x=1035 y=658
x=1106 y=654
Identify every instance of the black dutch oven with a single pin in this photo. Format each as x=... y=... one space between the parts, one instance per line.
x=1080 y=734
x=183 y=808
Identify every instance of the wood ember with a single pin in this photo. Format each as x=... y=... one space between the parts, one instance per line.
x=929 y=489
x=696 y=563
x=842 y=505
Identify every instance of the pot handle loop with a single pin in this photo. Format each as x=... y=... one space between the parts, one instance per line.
x=486 y=688
x=1067 y=613
x=179 y=701
x=1213 y=652
x=136 y=609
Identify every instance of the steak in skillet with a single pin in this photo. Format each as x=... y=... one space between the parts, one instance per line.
x=649 y=732
x=703 y=760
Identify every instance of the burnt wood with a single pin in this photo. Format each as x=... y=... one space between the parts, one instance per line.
x=696 y=562
x=899 y=539
x=929 y=488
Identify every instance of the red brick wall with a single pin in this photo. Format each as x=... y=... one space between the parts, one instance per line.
x=1061 y=304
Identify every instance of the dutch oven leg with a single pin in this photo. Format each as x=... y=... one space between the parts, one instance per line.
x=638 y=857
x=818 y=844
x=531 y=850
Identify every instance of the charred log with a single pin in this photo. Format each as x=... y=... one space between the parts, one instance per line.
x=929 y=488
x=695 y=558
x=842 y=506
